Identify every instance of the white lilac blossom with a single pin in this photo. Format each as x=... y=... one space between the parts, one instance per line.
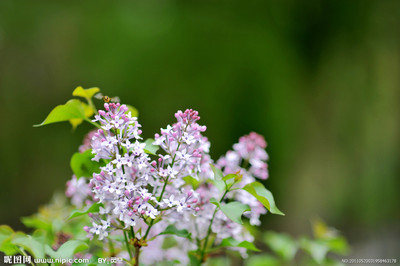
x=78 y=190
x=131 y=186
x=249 y=158
x=122 y=184
x=135 y=188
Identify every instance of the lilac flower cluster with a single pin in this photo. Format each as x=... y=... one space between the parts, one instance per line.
x=135 y=186
x=249 y=157
x=251 y=149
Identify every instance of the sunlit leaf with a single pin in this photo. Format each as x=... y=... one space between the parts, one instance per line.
x=264 y=196
x=5 y=231
x=133 y=110
x=229 y=176
x=89 y=111
x=71 y=110
x=85 y=93
x=6 y=235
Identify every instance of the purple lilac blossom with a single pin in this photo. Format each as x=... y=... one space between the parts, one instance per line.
x=130 y=185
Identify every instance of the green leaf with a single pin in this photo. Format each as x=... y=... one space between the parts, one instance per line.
x=231 y=242
x=229 y=176
x=72 y=109
x=35 y=222
x=82 y=164
x=217 y=181
x=338 y=245
x=263 y=260
x=317 y=249
x=217 y=172
x=92 y=209
x=282 y=244
x=5 y=232
x=233 y=210
x=89 y=111
x=67 y=250
x=215 y=202
x=169 y=242
x=172 y=230
x=194 y=258
x=264 y=196
x=190 y=180
x=85 y=93
x=133 y=110
x=6 y=235
x=150 y=148
x=30 y=244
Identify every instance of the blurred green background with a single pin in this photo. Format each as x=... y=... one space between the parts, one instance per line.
x=319 y=79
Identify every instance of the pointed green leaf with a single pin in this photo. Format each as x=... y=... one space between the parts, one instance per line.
x=82 y=164
x=71 y=110
x=5 y=232
x=317 y=249
x=6 y=235
x=30 y=244
x=217 y=172
x=282 y=244
x=231 y=242
x=133 y=110
x=233 y=210
x=190 y=180
x=150 y=147
x=89 y=111
x=35 y=222
x=215 y=202
x=264 y=196
x=172 y=230
x=92 y=209
x=85 y=93
x=217 y=181
x=169 y=242
x=229 y=176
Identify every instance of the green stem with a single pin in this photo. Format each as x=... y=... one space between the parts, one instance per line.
x=209 y=228
x=159 y=198
x=127 y=245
